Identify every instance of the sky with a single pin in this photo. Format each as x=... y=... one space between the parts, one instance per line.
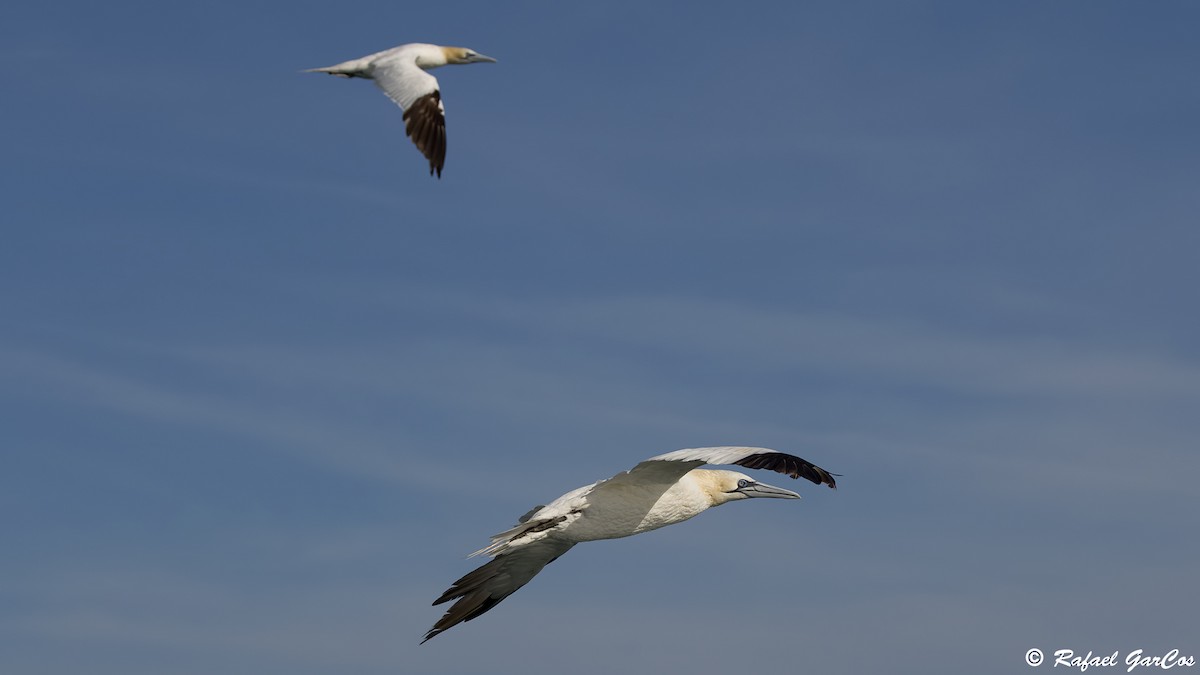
x=265 y=383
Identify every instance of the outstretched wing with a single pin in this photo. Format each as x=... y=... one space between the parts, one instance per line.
x=750 y=458
x=416 y=91
x=484 y=588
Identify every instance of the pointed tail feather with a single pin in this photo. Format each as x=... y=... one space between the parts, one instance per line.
x=355 y=68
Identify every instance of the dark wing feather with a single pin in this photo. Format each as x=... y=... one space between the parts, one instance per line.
x=751 y=458
x=788 y=464
x=425 y=124
x=484 y=588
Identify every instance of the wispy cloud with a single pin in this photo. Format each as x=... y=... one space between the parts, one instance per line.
x=280 y=425
x=218 y=625
x=764 y=337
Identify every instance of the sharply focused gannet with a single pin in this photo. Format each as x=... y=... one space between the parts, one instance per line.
x=400 y=73
x=660 y=491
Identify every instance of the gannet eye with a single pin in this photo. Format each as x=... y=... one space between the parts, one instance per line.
x=743 y=483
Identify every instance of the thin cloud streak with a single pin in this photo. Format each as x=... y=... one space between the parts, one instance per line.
x=888 y=349
x=295 y=434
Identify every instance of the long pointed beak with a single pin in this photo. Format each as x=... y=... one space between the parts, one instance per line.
x=480 y=58
x=764 y=490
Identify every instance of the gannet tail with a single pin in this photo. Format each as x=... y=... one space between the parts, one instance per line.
x=355 y=68
x=501 y=541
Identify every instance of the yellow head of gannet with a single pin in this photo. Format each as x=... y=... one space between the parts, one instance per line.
x=660 y=491
x=400 y=73
x=727 y=486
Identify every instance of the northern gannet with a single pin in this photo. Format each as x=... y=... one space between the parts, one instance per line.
x=660 y=491
x=400 y=73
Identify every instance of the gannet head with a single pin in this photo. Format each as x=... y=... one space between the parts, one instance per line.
x=460 y=55
x=727 y=486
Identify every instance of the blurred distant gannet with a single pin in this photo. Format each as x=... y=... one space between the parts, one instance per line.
x=660 y=491
x=400 y=73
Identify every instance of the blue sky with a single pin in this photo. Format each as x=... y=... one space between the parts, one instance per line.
x=264 y=382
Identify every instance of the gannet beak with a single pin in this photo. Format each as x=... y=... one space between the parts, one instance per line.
x=480 y=58
x=764 y=490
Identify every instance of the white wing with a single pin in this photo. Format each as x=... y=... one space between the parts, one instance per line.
x=416 y=91
x=400 y=78
x=682 y=461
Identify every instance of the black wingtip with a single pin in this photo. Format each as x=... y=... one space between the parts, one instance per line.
x=789 y=465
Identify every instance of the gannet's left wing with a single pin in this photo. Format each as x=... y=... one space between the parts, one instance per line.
x=417 y=92
x=750 y=458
